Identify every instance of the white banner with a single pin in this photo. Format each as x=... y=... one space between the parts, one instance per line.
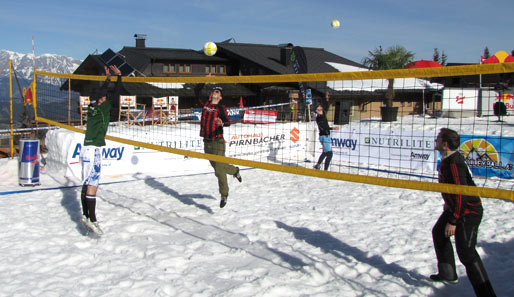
x=118 y=158
x=459 y=99
x=259 y=143
x=403 y=149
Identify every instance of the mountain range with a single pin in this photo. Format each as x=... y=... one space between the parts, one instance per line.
x=23 y=65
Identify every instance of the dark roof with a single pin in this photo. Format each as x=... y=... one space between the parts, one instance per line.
x=139 y=57
x=92 y=65
x=268 y=56
x=188 y=90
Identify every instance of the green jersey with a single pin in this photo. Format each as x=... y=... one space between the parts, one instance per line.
x=97 y=123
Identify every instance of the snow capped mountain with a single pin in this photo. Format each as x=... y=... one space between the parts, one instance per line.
x=24 y=63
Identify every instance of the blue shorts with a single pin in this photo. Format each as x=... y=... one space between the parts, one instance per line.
x=326 y=142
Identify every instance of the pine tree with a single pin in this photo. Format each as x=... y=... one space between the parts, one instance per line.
x=436 y=56
x=443 y=59
x=486 y=53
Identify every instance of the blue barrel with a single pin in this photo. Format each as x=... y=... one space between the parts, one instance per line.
x=28 y=162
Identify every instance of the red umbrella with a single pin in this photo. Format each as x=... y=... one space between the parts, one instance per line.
x=423 y=64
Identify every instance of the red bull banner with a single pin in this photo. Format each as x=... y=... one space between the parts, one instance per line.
x=507 y=99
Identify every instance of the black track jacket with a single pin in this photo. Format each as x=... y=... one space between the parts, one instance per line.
x=454 y=170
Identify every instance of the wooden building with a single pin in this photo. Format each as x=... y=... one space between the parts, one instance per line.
x=236 y=59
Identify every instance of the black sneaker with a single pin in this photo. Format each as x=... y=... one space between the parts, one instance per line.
x=223 y=201
x=237 y=175
x=317 y=166
x=439 y=278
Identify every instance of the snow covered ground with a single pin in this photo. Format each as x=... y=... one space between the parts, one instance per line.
x=279 y=235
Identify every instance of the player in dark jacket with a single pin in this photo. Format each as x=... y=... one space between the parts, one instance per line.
x=461 y=217
x=214 y=117
x=324 y=134
x=98 y=117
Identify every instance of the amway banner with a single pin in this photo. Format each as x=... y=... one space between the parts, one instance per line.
x=118 y=158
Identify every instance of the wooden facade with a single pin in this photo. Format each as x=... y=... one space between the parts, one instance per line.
x=234 y=59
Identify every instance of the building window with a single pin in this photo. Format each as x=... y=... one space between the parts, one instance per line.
x=210 y=69
x=169 y=68
x=184 y=68
x=220 y=69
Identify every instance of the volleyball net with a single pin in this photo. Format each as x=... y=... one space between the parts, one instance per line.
x=385 y=121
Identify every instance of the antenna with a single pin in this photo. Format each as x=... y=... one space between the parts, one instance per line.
x=33 y=58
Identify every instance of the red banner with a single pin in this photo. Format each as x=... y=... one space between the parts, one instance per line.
x=257 y=116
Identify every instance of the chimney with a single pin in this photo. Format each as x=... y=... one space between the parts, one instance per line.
x=285 y=53
x=140 y=40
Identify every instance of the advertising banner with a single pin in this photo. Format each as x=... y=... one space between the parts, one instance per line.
x=258 y=116
x=488 y=155
x=299 y=63
x=284 y=141
x=233 y=113
x=173 y=108
x=396 y=148
x=118 y=158
x=254 y=142
x=459 y=99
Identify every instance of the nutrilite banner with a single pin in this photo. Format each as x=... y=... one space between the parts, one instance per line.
x=396 y=148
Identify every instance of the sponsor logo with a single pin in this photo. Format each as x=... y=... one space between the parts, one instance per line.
x=344 y=143
x=256 y=140
x=460 y=100
x=180 y=144
x=480 y=153
x=504 y=97
x=108 y=153
x=400 y=142
x=295 y=135
x=417 y=156
x=246 y=136
x=233 y=111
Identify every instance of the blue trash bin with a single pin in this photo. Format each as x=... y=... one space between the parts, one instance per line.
x=28 y=162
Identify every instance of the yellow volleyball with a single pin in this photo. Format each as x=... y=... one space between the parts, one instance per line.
x=335 y=24
x=210 y=48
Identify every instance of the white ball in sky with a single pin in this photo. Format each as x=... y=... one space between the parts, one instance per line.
x=210 y=48
x=335 y=24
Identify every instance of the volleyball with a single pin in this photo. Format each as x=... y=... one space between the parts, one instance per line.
x=335 y=24
x=210 y=48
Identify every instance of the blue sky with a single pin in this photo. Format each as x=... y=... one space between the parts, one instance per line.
x=460 y=28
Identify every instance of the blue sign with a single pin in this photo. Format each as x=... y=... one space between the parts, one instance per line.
x=488 y=155
x=308 y=97
x=233 y=113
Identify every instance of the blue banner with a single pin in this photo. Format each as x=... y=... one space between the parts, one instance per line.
x=488 y=155
x=299 y=62
x=233 y=113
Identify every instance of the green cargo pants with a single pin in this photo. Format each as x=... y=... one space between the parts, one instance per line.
x=217 y=147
